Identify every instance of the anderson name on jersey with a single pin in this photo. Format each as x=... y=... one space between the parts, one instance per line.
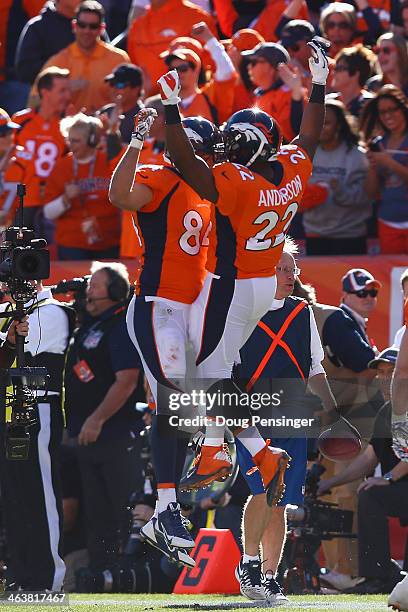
x=253 y=214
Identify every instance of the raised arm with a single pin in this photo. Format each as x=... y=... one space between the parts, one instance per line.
x=193 y=169
x=122 y=192
x=313 y=114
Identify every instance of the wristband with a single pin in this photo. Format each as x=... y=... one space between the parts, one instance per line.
x=172 y=114
x=318 y=93
x=136 y=143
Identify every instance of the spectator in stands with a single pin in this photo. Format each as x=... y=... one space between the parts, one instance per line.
x=264 y=17
x=43 y=143
x=126 y=84
x=279 y=90
x=89 y=59
x=43 y=36
x=338 y=225
x=7 y=150
x=214 y=101
x=101 y=375
x=294 y=37
x=187 y=42
x=393 y=59
x=13 y=17
x=387 y=177
x=338 y=25
x=87 y=226
x=151 y=33
x=243 y=40
x=378 y=496
x=354 y=65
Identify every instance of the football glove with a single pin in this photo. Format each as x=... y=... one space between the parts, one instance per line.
x=169 y=85
x=143 y=121
x=399 y=431
x=319 y=66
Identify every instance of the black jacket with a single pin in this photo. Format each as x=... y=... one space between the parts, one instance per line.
x=42 y=37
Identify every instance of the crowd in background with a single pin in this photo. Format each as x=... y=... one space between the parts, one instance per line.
x=94 y=65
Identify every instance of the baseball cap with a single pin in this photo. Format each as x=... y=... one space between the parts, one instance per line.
x=246 y=39
x=5 y=120
x=274 y=53
x=187 y=55
x=126 y=74
x=358 y=278
x=388 y=355
x=295 y=31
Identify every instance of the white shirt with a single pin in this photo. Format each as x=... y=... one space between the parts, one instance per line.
x=398 y=337
x=48 y=327
x=316 y=348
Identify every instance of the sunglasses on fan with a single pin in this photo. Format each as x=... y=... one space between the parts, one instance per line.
x=363 y=293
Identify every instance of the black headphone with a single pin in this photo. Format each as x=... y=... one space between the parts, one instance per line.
x=92 y=136
x=118 y=287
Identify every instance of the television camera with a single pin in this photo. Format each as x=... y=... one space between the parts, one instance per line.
x=24 y=260
x=309 y=525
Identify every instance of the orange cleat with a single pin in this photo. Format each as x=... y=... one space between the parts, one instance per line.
x=212 y=463
x=272 y=464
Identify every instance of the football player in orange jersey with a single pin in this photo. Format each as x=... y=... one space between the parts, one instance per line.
x=256 y=196
x=174 y=222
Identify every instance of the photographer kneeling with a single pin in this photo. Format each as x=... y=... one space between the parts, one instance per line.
x=378 y=497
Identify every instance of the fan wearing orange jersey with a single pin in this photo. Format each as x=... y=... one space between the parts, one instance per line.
x=256 y=195
x=174 y=223
x=77 y=195
x=10 y=172
x=41 y=138
x=151 y=33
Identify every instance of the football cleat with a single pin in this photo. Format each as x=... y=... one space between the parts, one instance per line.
x=172 y=526
x=272 y=464
x=154 y=537
x=212 y=463
x=398 y=599
x=250 y=580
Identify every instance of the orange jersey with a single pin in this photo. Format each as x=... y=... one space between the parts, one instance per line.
x=277 y=103
x=14 y=172
x=151 y=34
x=87 y=73
x=213 y=102
x=92 y=207
x=130 y=244
x=174 y=227
x=43 y=146
x=253 y=215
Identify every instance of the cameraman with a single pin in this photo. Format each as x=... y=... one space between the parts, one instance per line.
x=378 y=496
x=34 y=526
x=101 y=376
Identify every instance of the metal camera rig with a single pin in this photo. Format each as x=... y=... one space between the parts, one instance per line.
x=23 y=259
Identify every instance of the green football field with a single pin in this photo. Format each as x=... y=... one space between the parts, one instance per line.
x=134 y=603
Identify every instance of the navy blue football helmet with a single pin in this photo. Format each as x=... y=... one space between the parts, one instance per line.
x=204 y=136
x=251 y=134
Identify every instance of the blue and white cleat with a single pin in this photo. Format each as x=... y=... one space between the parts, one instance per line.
x=153 y=536
x=172 y=526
